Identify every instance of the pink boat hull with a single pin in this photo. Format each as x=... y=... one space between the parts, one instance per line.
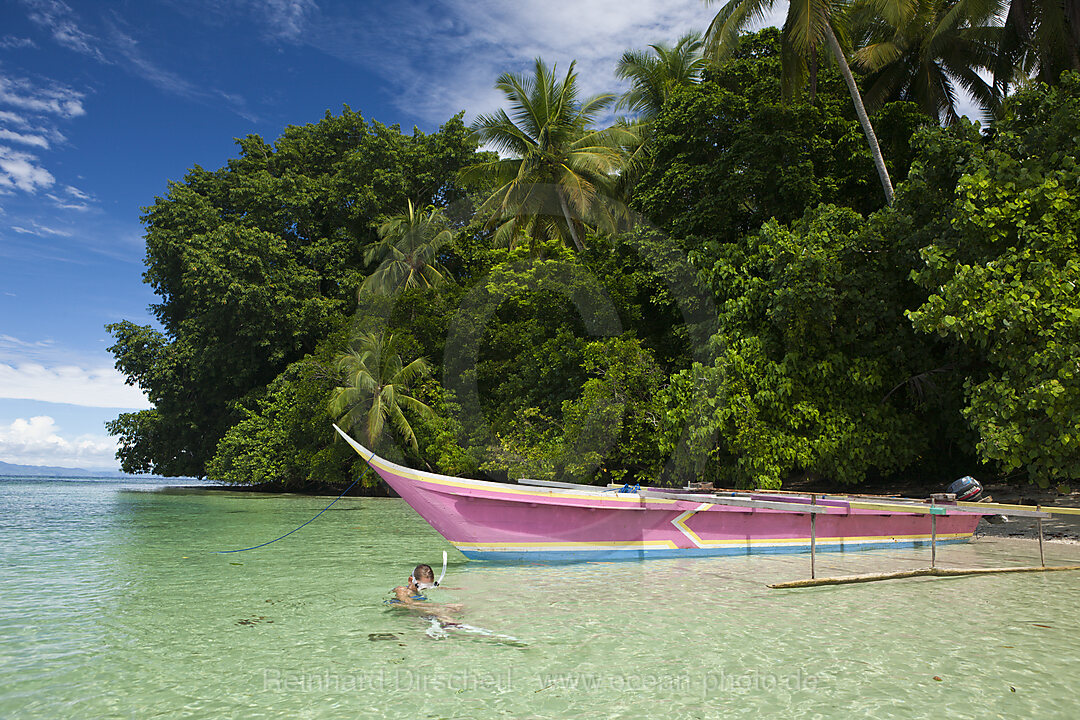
x=514 y=523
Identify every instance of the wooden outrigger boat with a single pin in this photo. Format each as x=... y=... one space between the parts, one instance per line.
x=539 y=521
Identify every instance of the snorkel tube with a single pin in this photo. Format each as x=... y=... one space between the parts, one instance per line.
x=443 y=573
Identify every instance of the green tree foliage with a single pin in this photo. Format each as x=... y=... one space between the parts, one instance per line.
x=654 y=75
x=1003 y=271
x=613 y=429
x=812 y=359
x=375 y=396
x=1041 y=38
x=610 y=432
x=408 y=251
x=284 y=439
x=926 y=54
x=729 y=155
x=809 y=27
x=518 y=344
x=445 y=443
x=559 y=169
x=517 y=339
x=255 y=263
x=797 y=340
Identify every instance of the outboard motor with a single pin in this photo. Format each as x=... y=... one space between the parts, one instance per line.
x=966 y=489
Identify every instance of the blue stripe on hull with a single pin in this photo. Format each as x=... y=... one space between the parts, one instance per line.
x=562 y=557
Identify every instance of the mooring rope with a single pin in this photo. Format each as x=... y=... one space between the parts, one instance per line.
x=256 y=547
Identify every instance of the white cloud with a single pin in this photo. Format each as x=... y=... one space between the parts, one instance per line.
x=40 y=230
x=13 y=119
x=39 y=441
x=53 y=99
x=59 y=19
x=7 y=342
x=65 y=204
x=447 y=60
x=24 y=138
x=115 y=46
x=141 y=65
x=20 y=170
x=36 y=108
x=11 y=42
x=77 y=193
x=286 y=18
x=85 y=385
x=42 y=370
x=138 y=63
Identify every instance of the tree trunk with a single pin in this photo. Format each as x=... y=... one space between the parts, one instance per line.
x=569 y=223
x=860 y=110
x=813 y=76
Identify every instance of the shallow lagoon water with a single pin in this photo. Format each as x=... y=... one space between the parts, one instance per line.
x=113 y=604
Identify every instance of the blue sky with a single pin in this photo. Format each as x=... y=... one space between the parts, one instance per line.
x=101 y=103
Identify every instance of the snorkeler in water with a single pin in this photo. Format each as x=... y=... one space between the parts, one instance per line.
x=411 y=596
x=422 y=578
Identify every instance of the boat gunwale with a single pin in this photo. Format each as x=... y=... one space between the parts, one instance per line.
x=626 y=501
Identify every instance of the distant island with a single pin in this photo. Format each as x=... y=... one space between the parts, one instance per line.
x=49 y=471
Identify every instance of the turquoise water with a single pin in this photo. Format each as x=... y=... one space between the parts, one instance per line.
x=114 y=605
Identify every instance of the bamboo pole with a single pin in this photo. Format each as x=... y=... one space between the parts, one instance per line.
x=933 y=540
x=1042 y=558
x=1055 y=510
x=1018 y=510
x=921 y=572
x=741 y=502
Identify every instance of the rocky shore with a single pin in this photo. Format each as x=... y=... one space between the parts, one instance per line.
x=1059 y=528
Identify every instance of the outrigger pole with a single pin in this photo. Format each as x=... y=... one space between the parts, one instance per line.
x=1039 y=513
x=867 y=502
x=921 y=572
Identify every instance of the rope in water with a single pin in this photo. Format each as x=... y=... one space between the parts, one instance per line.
x=256 y=547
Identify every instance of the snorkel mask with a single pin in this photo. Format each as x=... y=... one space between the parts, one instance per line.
x=426 y=585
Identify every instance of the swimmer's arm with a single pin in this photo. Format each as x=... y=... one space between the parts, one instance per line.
x=404 y=597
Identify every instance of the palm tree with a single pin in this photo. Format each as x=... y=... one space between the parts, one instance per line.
x=409 y=249
x=809 y=24
x=555 y=171
x=376 y=389
x=925 y=53
x=1040 y=39
x=653 y=76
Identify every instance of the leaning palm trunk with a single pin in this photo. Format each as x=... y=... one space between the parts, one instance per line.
x=860 y=111
x=569 y=222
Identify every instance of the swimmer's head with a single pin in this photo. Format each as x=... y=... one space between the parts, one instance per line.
x=423 y=576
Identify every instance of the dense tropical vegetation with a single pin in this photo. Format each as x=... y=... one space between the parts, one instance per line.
x=713 y=286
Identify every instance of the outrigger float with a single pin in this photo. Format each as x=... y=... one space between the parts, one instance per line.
x=554 y=522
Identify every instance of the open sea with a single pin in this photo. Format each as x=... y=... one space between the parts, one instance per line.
x=114 y=604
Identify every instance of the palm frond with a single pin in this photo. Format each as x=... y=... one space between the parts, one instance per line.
x=722 y=36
